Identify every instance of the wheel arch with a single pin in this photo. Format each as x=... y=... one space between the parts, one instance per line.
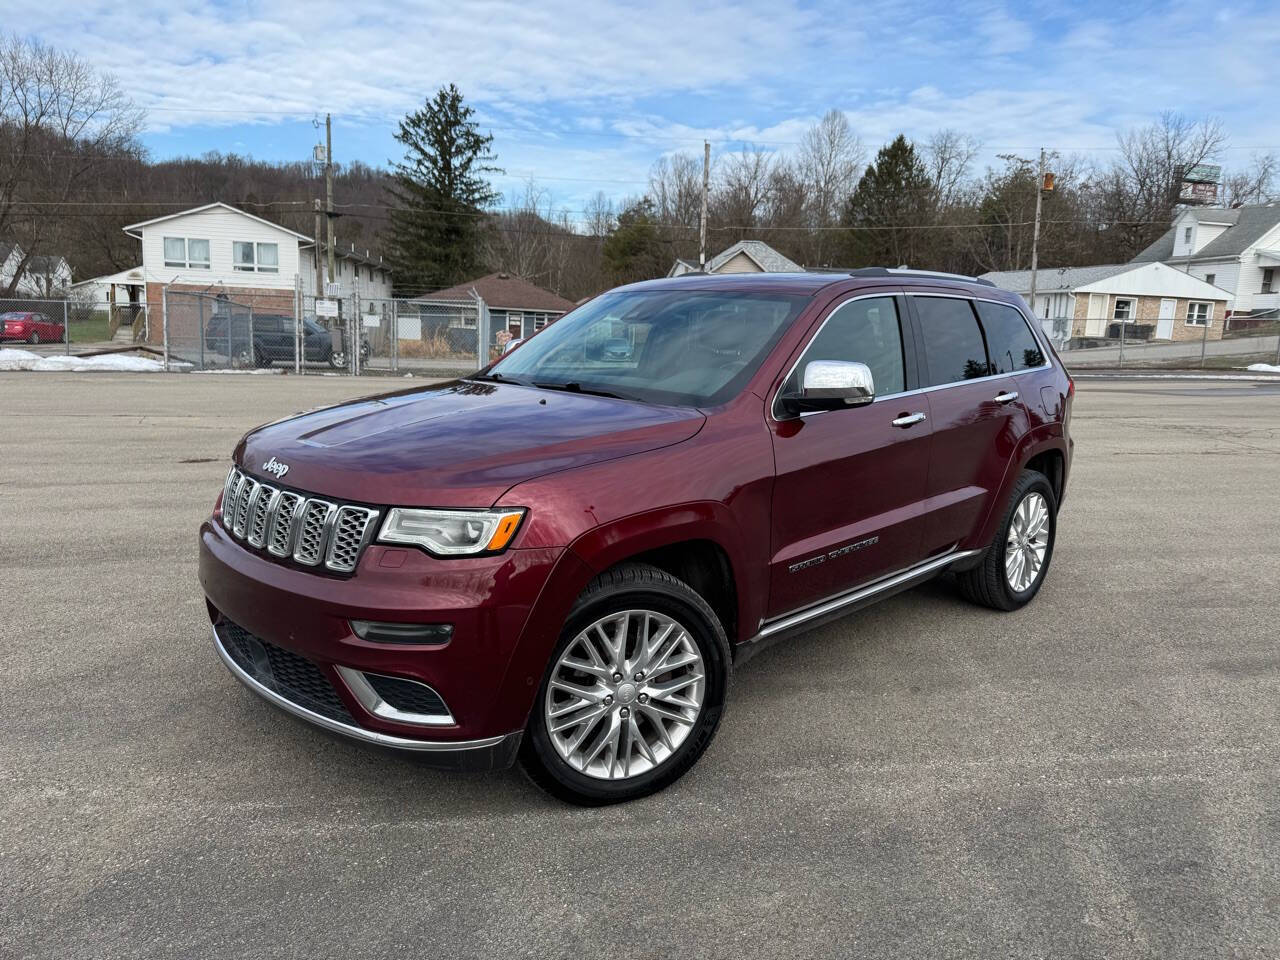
x=692 y=540
x=1041 y=450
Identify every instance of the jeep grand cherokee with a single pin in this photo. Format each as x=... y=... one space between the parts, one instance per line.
x=560 y=559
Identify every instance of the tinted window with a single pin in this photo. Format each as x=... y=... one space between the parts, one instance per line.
x=1009 y=340
x=266 y=324
x=863 y=331
x=953 y=347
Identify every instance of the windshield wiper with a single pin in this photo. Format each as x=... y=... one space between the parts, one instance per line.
x=499 y=378
x=573 y=386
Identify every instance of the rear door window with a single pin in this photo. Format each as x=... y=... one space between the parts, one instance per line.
x=861 y=331
x=953 y=345
x=1010 y=343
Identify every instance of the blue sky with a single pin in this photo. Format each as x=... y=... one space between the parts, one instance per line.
x=585 y=96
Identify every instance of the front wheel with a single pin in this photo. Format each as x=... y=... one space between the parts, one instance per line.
x=35 y=338
x=634 y=691
x=1014 y=565
x=337 y=359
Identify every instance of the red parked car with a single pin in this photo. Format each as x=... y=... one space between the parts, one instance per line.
x=561 y=558
x=30 y=328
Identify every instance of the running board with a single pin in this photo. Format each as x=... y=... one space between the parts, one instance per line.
x=825 y=608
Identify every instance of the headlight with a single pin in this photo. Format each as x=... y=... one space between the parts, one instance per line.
x=451 y=533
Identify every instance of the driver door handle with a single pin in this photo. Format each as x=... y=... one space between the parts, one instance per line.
x=909 y=420
x=1009 y=397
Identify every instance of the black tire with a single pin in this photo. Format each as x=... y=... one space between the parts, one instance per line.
x=985 y=583
x=632 y=586
x=337 y=359
x=260 y=358
x=34 y=338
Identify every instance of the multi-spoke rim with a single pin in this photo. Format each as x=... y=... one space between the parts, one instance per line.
x=625 y=694
x=1028 y=542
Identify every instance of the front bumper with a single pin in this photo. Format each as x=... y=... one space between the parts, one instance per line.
x=488 y=753
x=308 y=615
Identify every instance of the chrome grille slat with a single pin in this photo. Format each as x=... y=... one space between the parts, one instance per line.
x=259 y=522
x=281 y=543
x=248 y=488
x=311 y=531
x=351 y=527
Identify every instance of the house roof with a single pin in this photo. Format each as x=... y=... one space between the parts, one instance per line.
x=1248 y=225
x=505 y=292
x=210 y=206
x=764 y=256
x=133 y=276
x=1136 y=279
x=1054 y=279
x=44 y=264
x=5 y=250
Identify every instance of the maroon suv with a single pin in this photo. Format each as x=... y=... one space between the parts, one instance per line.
x=562 y=557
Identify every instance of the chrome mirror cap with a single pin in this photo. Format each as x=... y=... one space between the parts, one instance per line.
x=834 y=383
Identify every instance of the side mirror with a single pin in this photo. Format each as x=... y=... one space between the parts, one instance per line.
x=833 y=385
x=512 y=344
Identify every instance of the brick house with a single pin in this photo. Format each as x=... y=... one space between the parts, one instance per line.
x=1153 y=301
x=220 y=250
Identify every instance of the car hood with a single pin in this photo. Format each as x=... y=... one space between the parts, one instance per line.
x=461 y=443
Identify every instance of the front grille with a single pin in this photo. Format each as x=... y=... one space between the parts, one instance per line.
x=407 y=695
x=292 y=676
x=288 y=524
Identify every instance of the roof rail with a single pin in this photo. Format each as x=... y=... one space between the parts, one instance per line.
x=908 y=272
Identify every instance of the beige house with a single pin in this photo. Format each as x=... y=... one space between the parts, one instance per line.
x=1152 y=301
x=745 y=256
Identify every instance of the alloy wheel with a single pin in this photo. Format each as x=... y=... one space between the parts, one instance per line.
x=1027 y=542
x=625 y=694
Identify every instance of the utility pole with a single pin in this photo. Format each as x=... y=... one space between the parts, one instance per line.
x=319 y=257
x=328 y=190
x=706 y=188
x=1035 y=233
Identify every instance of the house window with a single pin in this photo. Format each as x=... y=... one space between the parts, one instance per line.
x=1186 y=236
x=1198 y=314
x=1210 y=277
x=1124 y=309
x=1268 y=277
x=539 y=322
x=259 y=257
x=186 y=252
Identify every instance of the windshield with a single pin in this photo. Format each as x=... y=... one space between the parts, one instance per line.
x=677 y=347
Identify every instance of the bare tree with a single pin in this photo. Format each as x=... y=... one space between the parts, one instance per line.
x=948 y=155
x=744 y=186
x=61 y=121
x=1255 y=184
x=829 y=163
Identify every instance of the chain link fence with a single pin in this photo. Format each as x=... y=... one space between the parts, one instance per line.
x=67 y=326
x=1152 y=332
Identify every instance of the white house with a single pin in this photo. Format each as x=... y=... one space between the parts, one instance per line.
x=1236 y=249
x=42 y=276
x=218 y=248
x=745 y=256
x=1152 y=300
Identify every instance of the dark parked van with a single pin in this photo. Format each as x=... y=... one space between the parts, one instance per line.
x=561 y=558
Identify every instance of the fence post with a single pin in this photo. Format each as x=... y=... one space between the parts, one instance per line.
x=253 y=348
x=66 y=329
x=482 y=333
x=1204 y=338
x=201 y=329
x=358 y=320
x=164 y=320
x=395 y=336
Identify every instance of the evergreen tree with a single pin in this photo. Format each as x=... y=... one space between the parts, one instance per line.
x=437 y=226
x=633 y=250
x=895 y=195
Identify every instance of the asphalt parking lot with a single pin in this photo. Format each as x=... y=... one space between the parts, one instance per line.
x=1095 y=775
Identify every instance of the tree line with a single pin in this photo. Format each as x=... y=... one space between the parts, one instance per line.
x=73 y=172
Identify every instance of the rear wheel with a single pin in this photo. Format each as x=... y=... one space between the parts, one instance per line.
x=34 y=338
x=1014 y=565
x=634 y=691
x=337 y=359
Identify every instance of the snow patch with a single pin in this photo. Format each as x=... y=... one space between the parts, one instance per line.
x=115 y=362
x=1263 y=368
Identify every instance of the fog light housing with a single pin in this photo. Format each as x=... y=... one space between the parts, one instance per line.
x=429 y=634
